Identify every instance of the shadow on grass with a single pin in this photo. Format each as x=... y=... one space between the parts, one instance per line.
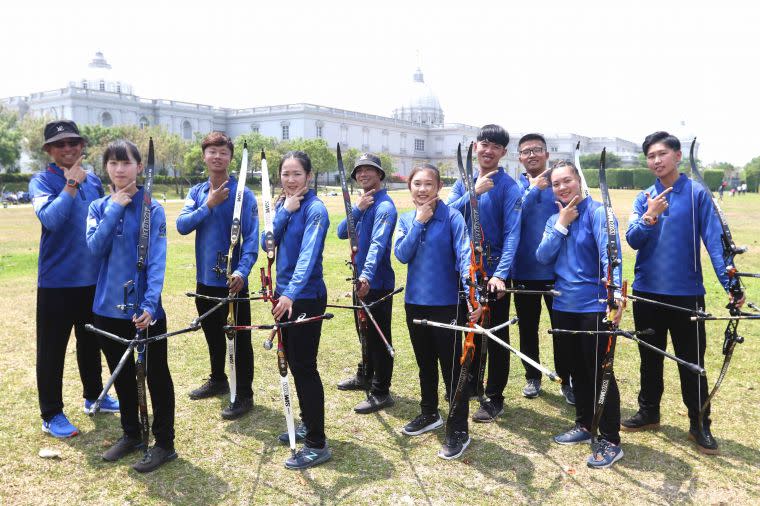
x=673 y=471
x=534 y=426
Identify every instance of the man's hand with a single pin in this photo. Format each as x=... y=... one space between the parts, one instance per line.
x=293 y=202
x=498 y=286
x=218 y=195
x=284 y=306
x=362 y=287
x=484 y=183
x=75 y=171
x=366 y=200
x=236 y=283
x=656 y=206
x=540 y=181
x=124 y=196
x=569 y=213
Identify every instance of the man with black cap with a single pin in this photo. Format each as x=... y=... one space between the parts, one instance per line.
x=61 y=196
x=375 y=217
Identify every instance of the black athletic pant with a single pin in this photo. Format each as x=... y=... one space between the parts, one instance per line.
x=380 y=364
x=301 y=344
x=159 y=379
x=689 y=344
x=432 y=346
x=528 y=309
x=59 y=309
x=498 y=356
x=217 y=339
x=586 y=352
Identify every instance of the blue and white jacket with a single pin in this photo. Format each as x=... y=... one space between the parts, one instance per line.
x=500 y=217
x=438 y=255
x=668 y=252
x=300 y=239
x=113 y=234
x=212 y=232
x=64 y=261
x=374 y=231
x=579 y=255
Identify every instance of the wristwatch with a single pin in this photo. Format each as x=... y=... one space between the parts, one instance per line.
x=72 y=183
x=649 y=220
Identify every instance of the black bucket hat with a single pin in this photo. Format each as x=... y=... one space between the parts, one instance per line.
x=369 y=160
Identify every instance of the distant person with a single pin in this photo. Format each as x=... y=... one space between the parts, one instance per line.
x=67 y=273
x=721 y=190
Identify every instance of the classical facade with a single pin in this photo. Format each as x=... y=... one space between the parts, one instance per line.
x=415 y=132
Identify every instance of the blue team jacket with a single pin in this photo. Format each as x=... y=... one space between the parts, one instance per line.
x=500 y=211
x=580 y=259
x=113 y=233
x=668 y=252
x=64 y=260
x=300 y=239
x=438 y=253
x=212 y=232
x=537 y=207
x=374 y=230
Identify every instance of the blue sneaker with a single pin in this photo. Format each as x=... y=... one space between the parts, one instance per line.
x=109 y=405
x=574 y=436
x=604 y=455
x=59 y=426
x=301 y=431
x=308 y=457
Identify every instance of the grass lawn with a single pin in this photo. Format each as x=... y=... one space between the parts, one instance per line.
x=513 y=460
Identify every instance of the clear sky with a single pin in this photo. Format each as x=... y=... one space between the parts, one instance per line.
x=596 y=68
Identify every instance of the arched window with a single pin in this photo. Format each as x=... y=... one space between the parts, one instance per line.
x=106 y=119
x=187 y=130
x=144 y=123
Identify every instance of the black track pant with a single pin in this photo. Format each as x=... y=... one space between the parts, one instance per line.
x=380 y=363
x=528 y=309
x=58 y=310
x=434 y=346
x=498 y=356
x=301 y=344
x=217 y=339
x=586 y=352
x=689 y=343
x=159 y=379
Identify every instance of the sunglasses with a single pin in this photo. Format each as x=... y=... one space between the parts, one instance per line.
x=71 y=144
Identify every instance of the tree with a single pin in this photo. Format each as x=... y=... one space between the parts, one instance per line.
x=10 y=140
x=592 y=160
x=32 y=139
x=751 y=174
x=386 y=162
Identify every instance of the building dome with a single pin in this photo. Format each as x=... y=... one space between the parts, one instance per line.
x=99 y=76
x=420 y=103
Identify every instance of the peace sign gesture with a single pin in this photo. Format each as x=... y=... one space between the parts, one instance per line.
x=569 y=213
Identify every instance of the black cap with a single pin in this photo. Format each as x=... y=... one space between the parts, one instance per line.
x=369 y=160
x=61 y=129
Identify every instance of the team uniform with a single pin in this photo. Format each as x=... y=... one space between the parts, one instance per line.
x=500 y=218
x=67 y=273
x=113 y=233
x=438 y=257
x=374 y=231
x=579 y=256
x=672 y=246
x=537 y=207
x=212 y=237
x=300 y=239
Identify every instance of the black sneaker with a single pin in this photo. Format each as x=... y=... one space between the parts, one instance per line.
x=238 y=408
x=355 y=382
x=301 y=431
x=308 y=457
x=640 y=421
x=209 y=389
x=487 y=412
x=124 y=446
x=154 y=458
x=455 y=445
x=704 y=440
x=423 y=423
x=374 y=403
x=532 y=388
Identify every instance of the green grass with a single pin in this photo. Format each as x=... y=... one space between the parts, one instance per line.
x=238 y=462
